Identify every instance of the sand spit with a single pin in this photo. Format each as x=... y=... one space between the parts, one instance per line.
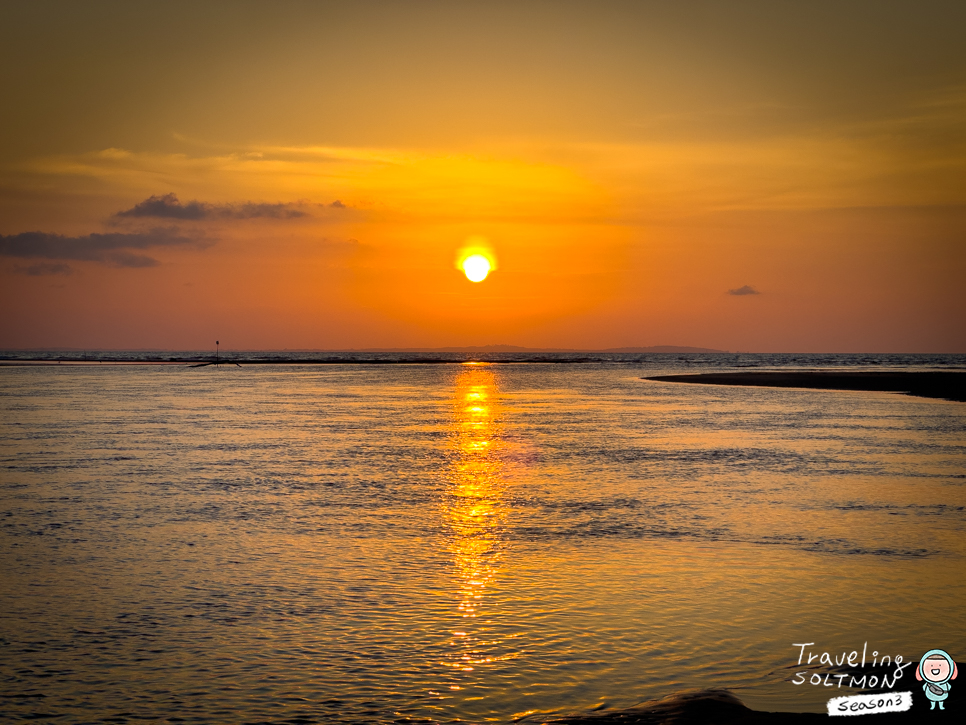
x=933 y=384
x=721 y=707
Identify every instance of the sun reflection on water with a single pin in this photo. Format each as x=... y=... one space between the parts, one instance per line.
x=475 y=512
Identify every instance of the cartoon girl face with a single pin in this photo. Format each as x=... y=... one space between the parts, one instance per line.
x=936 y=670
x=936 y=666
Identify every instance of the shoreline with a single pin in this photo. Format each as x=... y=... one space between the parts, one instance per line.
x=722 y=707
x=933 y=384
x=242 y=362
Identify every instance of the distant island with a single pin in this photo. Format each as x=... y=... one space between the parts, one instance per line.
x=367 y=356
x=517 y=348
x=464 y=348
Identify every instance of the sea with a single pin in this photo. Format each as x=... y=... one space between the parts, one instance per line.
x=439 y=538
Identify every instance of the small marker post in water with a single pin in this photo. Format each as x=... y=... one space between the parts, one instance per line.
x=216 y=362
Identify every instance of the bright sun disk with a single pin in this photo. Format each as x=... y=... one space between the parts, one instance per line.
x=476 y=267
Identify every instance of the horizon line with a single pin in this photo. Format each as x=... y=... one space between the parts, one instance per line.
x=652 y=349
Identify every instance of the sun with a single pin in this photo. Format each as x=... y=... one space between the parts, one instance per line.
x=476 y=259
x=476 y=267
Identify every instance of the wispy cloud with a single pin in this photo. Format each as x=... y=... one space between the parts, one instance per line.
x=116 y=249
x=44 y=269
x=746 y=290
x=338 y=185
x=168 y=207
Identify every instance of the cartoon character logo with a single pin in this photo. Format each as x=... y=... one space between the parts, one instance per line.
x=937 y=668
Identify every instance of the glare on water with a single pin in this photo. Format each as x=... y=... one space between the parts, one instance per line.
x=475 y=509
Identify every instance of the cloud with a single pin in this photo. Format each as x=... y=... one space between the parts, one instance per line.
x=376 y=180
x=168 y=207
x=114 y=248
x=337 y=204
x=129 y=259
x=45 y=268
x=746 y=290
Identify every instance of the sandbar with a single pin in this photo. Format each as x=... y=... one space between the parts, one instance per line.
x=944 y=384
x=721 y=707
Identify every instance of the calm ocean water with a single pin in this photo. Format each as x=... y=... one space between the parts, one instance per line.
x=472 y=542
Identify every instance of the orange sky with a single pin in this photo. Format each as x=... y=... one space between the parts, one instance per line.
x=305 y=175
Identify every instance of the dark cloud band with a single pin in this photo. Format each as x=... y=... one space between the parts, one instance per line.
x=168 y=207
x=117 y=249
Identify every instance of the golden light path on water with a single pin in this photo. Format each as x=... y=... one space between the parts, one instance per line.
x=475 y=510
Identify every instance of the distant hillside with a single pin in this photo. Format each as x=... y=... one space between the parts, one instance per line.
x=662 y=348
x=467 y=348
x=517 y=348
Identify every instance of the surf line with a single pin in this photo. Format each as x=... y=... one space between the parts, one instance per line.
x=852 y=660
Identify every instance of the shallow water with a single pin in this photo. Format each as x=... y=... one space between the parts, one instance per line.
x=471 y=542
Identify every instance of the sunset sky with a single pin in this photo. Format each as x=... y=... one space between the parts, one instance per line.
x=755 y=176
